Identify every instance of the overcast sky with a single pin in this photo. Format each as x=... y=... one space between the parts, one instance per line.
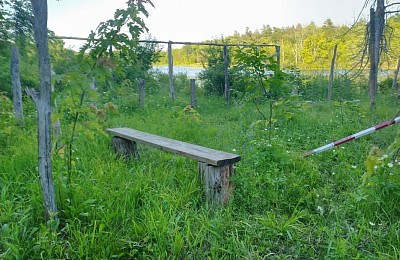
x=198 y=20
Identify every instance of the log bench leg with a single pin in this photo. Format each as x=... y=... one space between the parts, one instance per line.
x=217 y=186
x=125 y=148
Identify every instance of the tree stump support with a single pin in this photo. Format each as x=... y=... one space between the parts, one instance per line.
x=216 y=182
x=124 y=148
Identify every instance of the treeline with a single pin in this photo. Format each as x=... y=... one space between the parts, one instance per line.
x=307 y=47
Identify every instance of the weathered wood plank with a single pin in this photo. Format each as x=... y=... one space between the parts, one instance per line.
x=196 y=152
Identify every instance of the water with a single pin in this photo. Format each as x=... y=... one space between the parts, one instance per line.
x=191 y=72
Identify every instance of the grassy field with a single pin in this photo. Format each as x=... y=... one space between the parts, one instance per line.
x=284 y=206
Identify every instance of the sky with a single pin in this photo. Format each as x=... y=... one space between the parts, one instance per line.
x=199 y=20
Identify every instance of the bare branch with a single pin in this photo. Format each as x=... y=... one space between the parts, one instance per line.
x=32 y=94
x=392 y=12
x=392 y=4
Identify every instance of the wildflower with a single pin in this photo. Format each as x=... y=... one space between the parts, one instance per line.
x=321 y=210
x=371 y=223
x=233 y=150
x=390 y=165
x=383 y=157
x=354 y=166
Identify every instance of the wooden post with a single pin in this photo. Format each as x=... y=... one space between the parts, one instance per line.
x=16 y=83
x=44 y=109
x=373 y=71
x=171 y=72
x=125 y=148
x=376 y=27
x=142 y=91
x=396 y=75
x=217 y=186
x=226 y=66
x=193 y=99
x=330 y=85
x=278 y=55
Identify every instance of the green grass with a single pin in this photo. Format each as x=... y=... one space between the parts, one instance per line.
x=283 y=206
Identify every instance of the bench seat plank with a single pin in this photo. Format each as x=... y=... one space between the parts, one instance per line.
x=199 y=153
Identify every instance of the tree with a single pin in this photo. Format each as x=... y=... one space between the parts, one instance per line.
x=376 y=40
x=110 y=39
x=43 y=106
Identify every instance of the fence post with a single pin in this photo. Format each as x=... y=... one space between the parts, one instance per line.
x=331 y=74
x=226 y=65
x=193 y=99
x=142 y=91
x=171 y=72
x=278 y=55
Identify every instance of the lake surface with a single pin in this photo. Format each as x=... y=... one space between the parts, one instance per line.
x=191 y=72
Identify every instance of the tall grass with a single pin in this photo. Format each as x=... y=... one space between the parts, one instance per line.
x=283 y=206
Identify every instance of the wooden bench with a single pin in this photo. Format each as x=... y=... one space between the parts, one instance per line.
x=215 y=167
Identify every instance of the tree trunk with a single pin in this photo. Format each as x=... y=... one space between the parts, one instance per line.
x=373 y=71
x=376 y=27
x=16 y=83
x=44 y=109
x=330 y=86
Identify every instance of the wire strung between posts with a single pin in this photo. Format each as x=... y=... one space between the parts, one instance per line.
x=353 y=137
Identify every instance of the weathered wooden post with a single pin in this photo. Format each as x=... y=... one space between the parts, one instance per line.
x=125 y=148
x=395 y=77
x=193 y=99
x=142 y=91
x=330 y=85
x=278 y=55
x=216 y=180
x=226 y=66
x=44 y=109
x=171 y=72
x=16 y=83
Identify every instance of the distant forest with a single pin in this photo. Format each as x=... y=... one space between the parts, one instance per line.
x=307 y=47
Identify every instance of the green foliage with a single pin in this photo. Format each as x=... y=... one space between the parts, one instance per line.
x=213 y=75
x=113 y=39
x=385 y=86
x=315 y=87
x=264 y=81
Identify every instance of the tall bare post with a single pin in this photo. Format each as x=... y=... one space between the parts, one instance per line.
x=278 y=55
x=44 y=108
x=376 y=27
x=395 y=77
x=16 y=84
x=373 y=71
x=227 y=91
x=171 y=72
x=142 y=91
x=330 y=85
x=193 y=99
